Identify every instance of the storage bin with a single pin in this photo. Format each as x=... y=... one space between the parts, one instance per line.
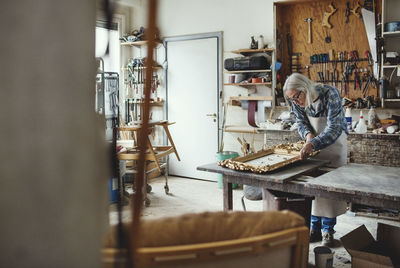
x=223 y=156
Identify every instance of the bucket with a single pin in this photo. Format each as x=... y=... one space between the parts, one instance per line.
x=223 y=156
x=323 y=257
x=113 y=190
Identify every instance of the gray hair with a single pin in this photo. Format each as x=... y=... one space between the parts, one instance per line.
x=299 y=82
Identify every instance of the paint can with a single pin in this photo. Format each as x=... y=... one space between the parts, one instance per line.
x=224 y=155
x=323 y=257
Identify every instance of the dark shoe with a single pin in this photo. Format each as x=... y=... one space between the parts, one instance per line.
x=315 y=236
x=327 y=240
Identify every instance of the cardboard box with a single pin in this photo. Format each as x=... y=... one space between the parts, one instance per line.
x=366 y=252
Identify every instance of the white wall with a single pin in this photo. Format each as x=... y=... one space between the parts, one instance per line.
x=237 y=19
x=52 y=177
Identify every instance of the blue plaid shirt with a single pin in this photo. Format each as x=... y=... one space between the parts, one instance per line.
x=330 y=106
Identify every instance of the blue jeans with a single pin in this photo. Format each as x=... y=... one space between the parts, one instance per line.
x=322 y=223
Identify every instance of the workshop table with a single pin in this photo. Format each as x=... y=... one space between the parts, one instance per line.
x=376 y=186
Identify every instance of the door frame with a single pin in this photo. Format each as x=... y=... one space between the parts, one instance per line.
x=219 y=36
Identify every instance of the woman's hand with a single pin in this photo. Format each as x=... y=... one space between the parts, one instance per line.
x=309 y=137
x=306 y=151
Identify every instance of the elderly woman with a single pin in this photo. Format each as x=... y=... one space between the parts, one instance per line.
x=321 y=122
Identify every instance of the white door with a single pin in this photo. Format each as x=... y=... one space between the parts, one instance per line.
x=192 y=78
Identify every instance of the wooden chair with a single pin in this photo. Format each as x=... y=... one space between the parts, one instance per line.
x=283 y=248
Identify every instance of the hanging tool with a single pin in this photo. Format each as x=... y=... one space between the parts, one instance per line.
x=289 y=46
x=309 y=21
x=357 y=10
x=368 y=56
x=327 y=38
x=327 y=15
x=354 y=58
x=347 y=13
x=308 y=71
x=367 y=78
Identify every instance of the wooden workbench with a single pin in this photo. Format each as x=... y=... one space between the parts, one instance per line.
x=362 y=184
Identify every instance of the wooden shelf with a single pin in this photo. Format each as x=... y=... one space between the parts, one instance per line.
x=385 y=101
x=250 y=51
x=248 y=71
x=249 y=98
x=158 y=67
x=248 y=84
x=132 y=101
x=235 y=100
x=391 y=100
x=391 y=34
x=137 y=43
x=240 y=129
x=390 y=66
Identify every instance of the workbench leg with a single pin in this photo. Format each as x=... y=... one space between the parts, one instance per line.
x=227 y=196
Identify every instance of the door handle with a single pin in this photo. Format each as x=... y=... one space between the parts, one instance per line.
x=214 y=115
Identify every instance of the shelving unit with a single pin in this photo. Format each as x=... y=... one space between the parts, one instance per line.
x=391 y=40
x=138 y=43
x=236 y=100
x=133 y=98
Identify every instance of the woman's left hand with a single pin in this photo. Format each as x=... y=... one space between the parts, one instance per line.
x=306 y=151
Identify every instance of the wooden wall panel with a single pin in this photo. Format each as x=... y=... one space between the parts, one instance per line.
x=344 y=36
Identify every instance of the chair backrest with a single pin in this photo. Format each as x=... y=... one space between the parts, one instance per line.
x=230 y=239
x=282 y=249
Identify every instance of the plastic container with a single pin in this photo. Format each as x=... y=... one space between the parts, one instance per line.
x=261 y=42
x=361 y=126
x=275 y=200
x=392 y=129
x=113 y=190
x=371 y=118
x=223 y=156
x=348 y=119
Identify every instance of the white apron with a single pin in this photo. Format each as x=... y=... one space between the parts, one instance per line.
x=337 y=154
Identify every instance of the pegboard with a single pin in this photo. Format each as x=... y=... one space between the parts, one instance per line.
x=290 y=17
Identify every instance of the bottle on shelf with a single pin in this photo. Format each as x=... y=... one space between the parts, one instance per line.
x=361 y=126
x=261 y=42
x=372 y=117
x=253 y=44
x=348 y=119
x=384 y=83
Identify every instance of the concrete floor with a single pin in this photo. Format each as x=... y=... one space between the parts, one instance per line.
x=187 y=196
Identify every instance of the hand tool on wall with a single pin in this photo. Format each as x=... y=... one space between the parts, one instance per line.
x=357 y=10
x=289 y=46
x=347 y=13
x=309 y=21
x=327 y=15
x=308 y=71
